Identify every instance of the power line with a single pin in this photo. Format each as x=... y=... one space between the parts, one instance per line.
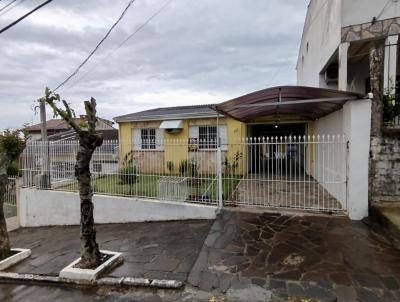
x=11 y=8
x=7 y=5
x=97 y=46
x=24 y=16
x=122 y=43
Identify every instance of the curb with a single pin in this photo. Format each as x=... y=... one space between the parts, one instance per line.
x=107 y=281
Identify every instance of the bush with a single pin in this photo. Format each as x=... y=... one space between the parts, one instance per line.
x=128 y=174
x=183 y=166
x=170 y=167
x=13 y=169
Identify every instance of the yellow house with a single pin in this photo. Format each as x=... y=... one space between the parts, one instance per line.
x=161 y=139
x=164 y=137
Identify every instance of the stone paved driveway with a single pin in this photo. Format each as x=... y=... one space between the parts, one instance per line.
x=158 y=250
x=280 y=256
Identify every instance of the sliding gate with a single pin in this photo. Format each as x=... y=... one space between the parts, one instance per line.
x=299 y=172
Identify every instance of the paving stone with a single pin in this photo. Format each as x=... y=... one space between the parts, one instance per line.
x=390 y=282
x=295 y=290
x=345 y=294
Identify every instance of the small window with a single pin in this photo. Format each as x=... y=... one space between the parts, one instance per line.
x=307 y=46
x=97 y=167
x=207 y=137
x=148 y=138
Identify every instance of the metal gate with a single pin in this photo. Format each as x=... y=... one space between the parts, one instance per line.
x=299 y=172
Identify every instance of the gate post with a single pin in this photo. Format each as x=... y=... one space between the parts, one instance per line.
x=219 y=176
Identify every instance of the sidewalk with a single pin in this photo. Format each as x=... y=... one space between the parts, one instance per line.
x=158 y=250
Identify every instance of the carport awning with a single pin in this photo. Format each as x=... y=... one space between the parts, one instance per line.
x=305 y=102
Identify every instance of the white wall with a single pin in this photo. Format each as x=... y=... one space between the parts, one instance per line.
x=357 y=126
x=330 y=156
x=322 y=31
x=354 y=121
x=362 y=11
x=45 y=208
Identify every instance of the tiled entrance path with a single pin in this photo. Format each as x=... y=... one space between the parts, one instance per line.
x=288 y=192
x=159 y=250
x=325 y=258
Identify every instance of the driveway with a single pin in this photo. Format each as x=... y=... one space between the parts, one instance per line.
x=282 y=256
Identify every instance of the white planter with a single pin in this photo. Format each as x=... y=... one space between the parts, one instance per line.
x=21 y=255
x=88 y=275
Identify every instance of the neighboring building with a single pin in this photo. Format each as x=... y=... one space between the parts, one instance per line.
x=345 y=43
x=63 y=146
x=58 y=130
x=337 y=39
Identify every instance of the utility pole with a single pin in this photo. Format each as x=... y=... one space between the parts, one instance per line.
x=45 y=177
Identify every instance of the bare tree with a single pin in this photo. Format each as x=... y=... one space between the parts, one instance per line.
x=89 y=140
x=11 y=146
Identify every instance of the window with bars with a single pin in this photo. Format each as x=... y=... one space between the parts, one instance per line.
x=148 y=138
x=207 y=137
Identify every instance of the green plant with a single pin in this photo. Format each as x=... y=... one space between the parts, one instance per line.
x=128 y=175
x=13 y=169
x=183 y=167
x=170 y=167
x=391 y=107
x=231 y=166
x=193 y=168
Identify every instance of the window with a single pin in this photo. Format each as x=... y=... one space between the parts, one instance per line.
x=207 y=137
x=148 y=138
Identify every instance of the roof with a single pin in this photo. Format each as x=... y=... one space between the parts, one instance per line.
x=169 y=113
x=61 y=125
x=108 y=134
x=307 y=102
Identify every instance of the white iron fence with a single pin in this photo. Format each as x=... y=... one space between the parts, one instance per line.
x=10 y=198
x=290 y=172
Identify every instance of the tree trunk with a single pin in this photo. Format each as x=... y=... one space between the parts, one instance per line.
x=90 y=253
x=5 y=249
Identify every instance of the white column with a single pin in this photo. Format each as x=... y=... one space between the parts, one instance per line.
x=389 y=75
x=343 y=55
x=357 y=127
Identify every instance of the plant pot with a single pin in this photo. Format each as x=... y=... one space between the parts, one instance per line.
x=87 y=275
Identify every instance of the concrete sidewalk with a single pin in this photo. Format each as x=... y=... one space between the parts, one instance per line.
x=157 y=250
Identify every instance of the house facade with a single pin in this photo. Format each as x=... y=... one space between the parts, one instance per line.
x=345 y=44
x=283 y=147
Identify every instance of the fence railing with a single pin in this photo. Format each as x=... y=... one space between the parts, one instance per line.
x=10 y=198
x=307 y=172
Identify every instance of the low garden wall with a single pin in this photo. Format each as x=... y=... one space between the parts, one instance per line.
x=47 y=207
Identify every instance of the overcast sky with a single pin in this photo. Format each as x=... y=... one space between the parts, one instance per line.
x=194 y=52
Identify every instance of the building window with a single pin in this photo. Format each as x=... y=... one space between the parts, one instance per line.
x=207 y=137
x=148 y=138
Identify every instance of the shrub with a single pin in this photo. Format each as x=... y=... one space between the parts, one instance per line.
x=13 y=169
x=170 y=167
x=183 y=166
x=128 y=174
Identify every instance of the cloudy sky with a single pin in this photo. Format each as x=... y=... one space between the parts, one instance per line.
x=194 y=52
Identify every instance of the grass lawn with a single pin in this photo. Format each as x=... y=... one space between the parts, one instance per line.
x=146 y=186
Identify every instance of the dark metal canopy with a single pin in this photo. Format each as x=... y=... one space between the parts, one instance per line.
x=306 y=102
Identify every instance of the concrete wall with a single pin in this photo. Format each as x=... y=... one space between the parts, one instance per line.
x=357 y=127
x=44 y=208
x=354 y=121
x=329 y=159
x=362 y=11
x=322 y=34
